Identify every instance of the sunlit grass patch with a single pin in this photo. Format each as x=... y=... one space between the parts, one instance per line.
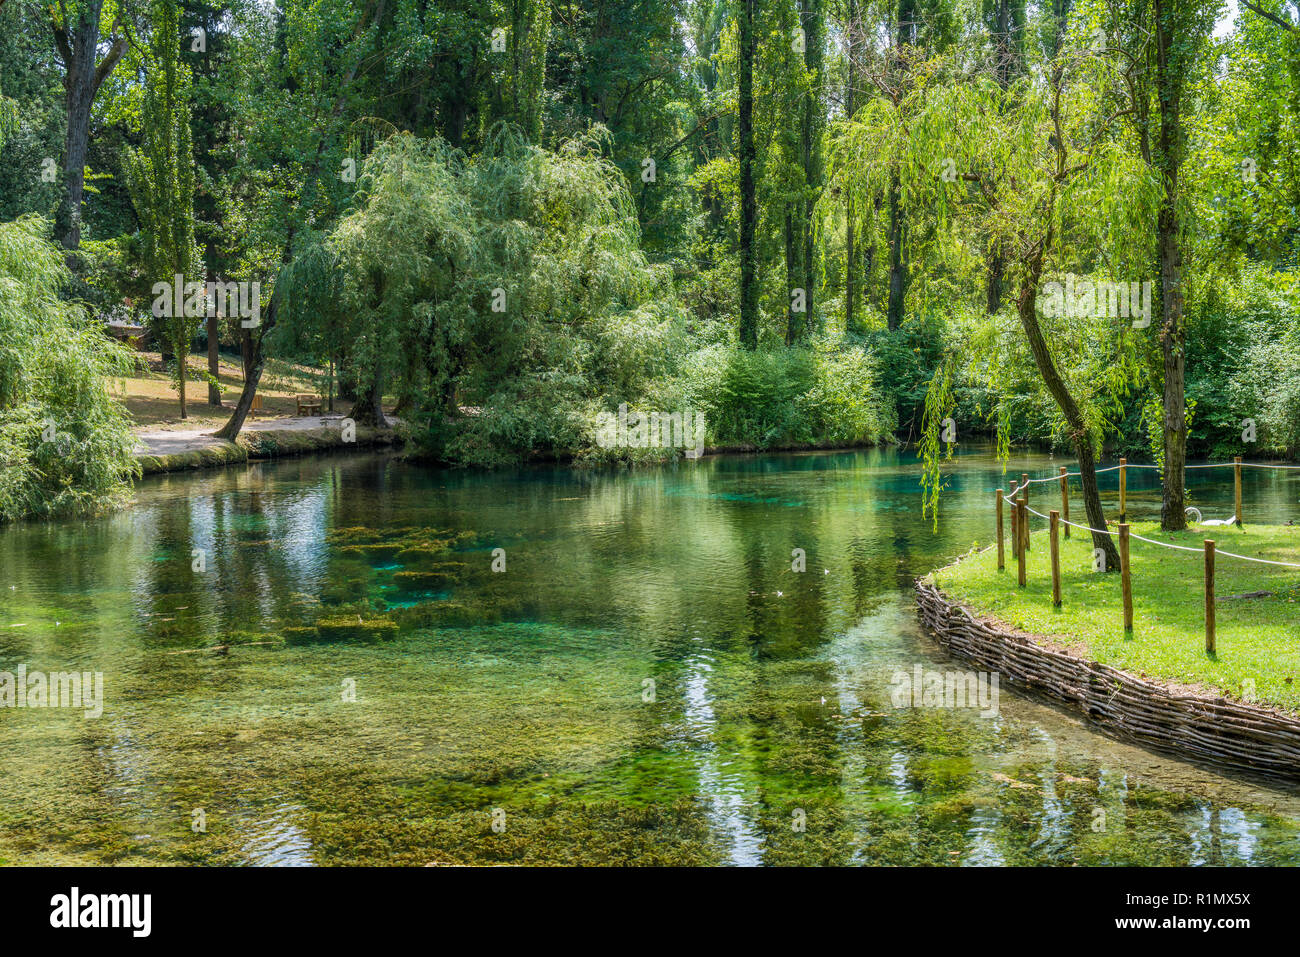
x=1258 y=638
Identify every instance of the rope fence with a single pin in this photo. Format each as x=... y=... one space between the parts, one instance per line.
x=1058 y=520
x=1210 y=465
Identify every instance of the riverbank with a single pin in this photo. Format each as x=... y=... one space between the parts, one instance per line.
x=535 y=695
x=1239 y=705
x=182 y=450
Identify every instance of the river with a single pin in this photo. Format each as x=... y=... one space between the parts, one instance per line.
x=644 y=680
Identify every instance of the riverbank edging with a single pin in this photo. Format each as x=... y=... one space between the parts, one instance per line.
x=260 y=444
x=1228 y=734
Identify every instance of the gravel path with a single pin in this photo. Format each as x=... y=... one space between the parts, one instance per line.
x=169 y=442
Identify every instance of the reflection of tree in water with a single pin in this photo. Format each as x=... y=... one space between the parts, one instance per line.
x=676 y=571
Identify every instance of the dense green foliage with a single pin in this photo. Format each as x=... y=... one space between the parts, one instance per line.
x=811 y=223
x=513 y=287
x=65 y=444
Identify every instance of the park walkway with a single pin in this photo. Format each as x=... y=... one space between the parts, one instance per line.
x=156 y=441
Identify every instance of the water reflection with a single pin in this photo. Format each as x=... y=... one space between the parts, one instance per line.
x=524 y=690
x=275 y=838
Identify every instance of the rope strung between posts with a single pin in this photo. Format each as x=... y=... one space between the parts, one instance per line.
x=1020 y=536
x=1142 y=538
x=1211 y=465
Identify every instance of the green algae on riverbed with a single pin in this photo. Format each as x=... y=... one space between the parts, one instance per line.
x=649 y=682
x=391 y=781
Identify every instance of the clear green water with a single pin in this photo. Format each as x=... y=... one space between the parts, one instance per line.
x=524 y=690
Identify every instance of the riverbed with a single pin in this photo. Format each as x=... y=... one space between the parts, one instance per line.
x=644 y=678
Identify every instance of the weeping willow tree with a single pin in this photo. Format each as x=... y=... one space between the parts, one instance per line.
x=314 y=324
x=66 y=445
x=8 y=118
x=161 y=179
x=1038 y=170
x=521 y=79
x=404 y=259
x=498 y=297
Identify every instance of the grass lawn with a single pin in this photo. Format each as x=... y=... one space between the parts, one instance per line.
x=151 y=398
x=1258 y=639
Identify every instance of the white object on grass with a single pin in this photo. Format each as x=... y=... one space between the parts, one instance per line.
x=1194 y=515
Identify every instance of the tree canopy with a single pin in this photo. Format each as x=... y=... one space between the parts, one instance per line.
x=818 y=221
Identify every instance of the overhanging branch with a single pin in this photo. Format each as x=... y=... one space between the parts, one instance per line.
x=1286 y=24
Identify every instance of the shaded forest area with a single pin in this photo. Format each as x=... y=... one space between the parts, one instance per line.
x=810 y=222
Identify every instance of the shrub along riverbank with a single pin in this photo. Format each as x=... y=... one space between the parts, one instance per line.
x=1257 y=654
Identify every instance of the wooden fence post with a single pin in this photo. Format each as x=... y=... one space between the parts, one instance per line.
x=1065 y=500
x=1123 y=490
x=1056 y=558
x=1015 y=523
x=1209 y=596
x=1024 y=495
x=1024 y=521
x=1020 y=508
x=1125 y=581
x=1002 y=564
x=1236 y=493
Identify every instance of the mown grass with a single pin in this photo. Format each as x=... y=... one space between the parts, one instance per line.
x=151 y=397
x=1258 y=639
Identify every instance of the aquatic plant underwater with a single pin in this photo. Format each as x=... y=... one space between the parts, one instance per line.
x=645 y=679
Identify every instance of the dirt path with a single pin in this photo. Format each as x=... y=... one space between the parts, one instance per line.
x=156 y=441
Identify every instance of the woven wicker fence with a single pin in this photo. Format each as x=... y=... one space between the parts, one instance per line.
x=1223 y=733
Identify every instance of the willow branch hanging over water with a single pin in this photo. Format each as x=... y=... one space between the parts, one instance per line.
x=1016 y=169
x=65 y=443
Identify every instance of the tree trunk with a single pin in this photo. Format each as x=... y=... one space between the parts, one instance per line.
x=1173 y=507
x=214 y=354
x=868 y=265
x=78 y=42
x=814 y=28
x=897 y=267
x=230 y=431
x=182 y=354
x=993 y=291
x=850 y=289
x=369 y=407
x=850 y=238
x=347 y=379
x=1080 y=434
x=254 y=362
x=793 y=277
x=67 y=218
x=1173 y=332
x=1002 y=70
x=748 y=196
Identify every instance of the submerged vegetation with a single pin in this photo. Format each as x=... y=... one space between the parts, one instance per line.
x=360 y=743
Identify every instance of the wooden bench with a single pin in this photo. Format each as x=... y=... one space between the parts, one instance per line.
x=256 y=407
x=308 y=404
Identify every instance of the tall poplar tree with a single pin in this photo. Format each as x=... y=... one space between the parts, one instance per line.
x=1180 y=29
x=161 y=178
x=748 y=193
